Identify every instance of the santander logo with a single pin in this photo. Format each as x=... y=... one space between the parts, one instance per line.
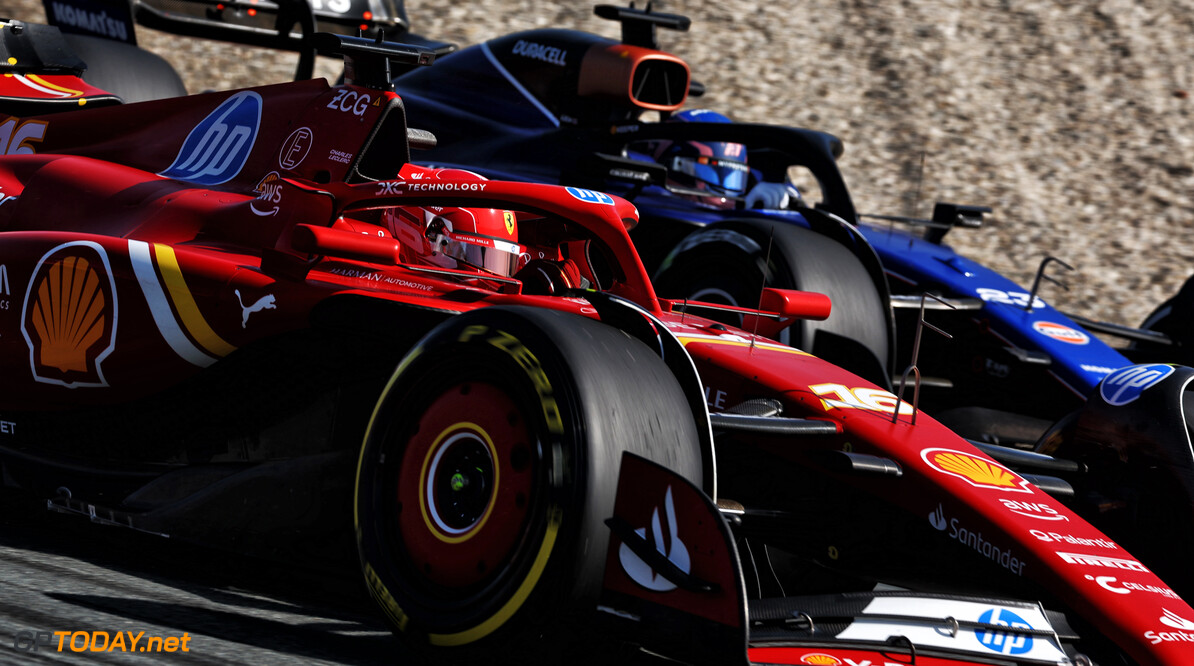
x=670 y=546
x=1171 y=619
x=937 y=519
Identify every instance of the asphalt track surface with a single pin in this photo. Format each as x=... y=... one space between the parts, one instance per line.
x=61 y=573
x=64 y=574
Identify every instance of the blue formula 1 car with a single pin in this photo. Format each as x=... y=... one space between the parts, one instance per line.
x=721 y=220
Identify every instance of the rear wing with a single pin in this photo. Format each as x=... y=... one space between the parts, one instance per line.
x=241 y=21
x=287 y=25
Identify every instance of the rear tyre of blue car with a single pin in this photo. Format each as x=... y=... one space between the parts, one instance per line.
x=488 y=470
x=730 y=263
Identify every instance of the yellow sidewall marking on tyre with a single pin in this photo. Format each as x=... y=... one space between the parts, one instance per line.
x=497 y=479
x=520 y=595
x=550 y=533
x=530 y=364
x=356 y=491
x=384 y=598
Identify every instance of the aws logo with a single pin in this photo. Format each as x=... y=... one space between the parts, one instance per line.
x=217 y=148
x=69 y=315
x=978 y=472
x=1038 y=510
x=269 y=191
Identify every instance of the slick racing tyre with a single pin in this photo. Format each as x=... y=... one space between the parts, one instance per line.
x=730 y=264
x=489 y=467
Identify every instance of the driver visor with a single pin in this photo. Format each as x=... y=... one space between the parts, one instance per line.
x=490 y=254
x=725 y=176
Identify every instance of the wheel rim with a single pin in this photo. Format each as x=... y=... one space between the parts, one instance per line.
x=464 y=490
x=456 y=496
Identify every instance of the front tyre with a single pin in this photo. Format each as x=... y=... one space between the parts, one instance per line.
x=489 y=467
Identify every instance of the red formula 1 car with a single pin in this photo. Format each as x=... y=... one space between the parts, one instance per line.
x=243 y=318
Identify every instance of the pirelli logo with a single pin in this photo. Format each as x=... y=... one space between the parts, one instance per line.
x=1105 y=562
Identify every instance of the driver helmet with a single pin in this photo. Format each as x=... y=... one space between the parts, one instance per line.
x=716 y=167
x=451 y=237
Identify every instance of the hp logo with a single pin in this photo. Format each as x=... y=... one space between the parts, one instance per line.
x=1001 y=641
x=1125 y=385
x=216 y=150
x=589 y=196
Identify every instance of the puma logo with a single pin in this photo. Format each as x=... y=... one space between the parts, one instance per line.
x=264 y=303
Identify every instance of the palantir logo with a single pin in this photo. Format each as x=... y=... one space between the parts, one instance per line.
x=1004 y=642
x=1126 y=384
x=217 y=149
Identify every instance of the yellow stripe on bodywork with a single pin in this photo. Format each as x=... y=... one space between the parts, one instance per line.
x=687 y=340
x=184 y=302
x=42 y=82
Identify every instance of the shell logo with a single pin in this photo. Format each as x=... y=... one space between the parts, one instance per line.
x=1061 y=332
x=69 y=315
x=820 y=659
x=978 y=472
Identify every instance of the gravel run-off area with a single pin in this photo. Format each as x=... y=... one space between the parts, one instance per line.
x=1072 y=120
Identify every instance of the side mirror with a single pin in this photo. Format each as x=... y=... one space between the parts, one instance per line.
x=791 y=306
x=947 y=215
x=796 y=304
x=345 y=244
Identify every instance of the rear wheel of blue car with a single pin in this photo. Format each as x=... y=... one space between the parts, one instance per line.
x=730 y=263
x=489 y=467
